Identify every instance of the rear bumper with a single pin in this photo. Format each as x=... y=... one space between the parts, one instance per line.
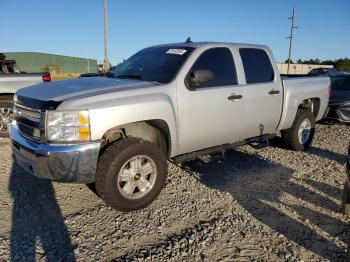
x=62 y=163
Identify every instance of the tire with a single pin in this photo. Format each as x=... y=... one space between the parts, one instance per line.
x=346 y=199
x=6 y=115
x=290 y=136
x=130 y=156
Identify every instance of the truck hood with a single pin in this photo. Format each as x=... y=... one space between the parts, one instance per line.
x=50 y=95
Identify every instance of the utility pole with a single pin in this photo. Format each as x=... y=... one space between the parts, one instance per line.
x=105 y=62
x=291 y=38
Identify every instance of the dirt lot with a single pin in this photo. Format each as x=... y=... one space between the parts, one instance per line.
x=266 y=205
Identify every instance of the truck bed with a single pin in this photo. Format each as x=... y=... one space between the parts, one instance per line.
x=296 y=90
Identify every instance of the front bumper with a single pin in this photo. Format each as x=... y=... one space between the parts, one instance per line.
x=62 y=163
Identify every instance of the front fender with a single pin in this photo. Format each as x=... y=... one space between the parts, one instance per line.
x=104 y=115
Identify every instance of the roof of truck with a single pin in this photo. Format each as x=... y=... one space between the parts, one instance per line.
x=198 y=44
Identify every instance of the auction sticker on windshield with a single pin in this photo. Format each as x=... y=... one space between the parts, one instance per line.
x=176 y=51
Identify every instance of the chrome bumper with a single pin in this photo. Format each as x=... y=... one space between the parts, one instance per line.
x=62 y=163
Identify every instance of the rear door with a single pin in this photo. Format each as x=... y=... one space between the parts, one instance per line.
x=263 y=92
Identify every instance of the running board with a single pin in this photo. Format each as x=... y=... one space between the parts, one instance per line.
x=222 y=148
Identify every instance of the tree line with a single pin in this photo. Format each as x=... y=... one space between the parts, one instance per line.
x=342 y=64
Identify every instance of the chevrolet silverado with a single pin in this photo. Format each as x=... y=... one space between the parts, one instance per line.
x=174 y=101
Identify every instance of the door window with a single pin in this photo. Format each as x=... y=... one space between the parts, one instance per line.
x=257 y=65
x=220 y=62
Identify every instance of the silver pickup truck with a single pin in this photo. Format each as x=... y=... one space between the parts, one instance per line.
x=9 y=84
x=174 y=101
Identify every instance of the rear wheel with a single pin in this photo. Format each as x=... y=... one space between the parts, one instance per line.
x=300 y=135
x=6 y=114
x=130 y=174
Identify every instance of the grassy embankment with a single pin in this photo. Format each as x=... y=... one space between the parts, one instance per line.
x=63 y=76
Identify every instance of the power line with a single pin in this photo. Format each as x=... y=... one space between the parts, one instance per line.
x=291 y=38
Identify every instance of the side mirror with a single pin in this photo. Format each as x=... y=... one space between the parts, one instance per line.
x=199 y=77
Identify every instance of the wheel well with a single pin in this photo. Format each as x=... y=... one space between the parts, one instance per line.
x=311 y=104
x=155 y=131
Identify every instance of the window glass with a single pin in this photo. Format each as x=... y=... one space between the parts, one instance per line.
x=257 y=65
x=220 y=62
x=159 y=64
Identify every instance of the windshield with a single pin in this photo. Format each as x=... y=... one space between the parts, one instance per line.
x=159 y=64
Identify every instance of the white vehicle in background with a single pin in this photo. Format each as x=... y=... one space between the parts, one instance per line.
x=175 y=101
x=11 y=80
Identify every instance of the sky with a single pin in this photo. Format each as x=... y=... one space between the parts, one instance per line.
x=75 y=27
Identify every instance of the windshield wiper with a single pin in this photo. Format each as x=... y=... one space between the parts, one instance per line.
x=131 y=76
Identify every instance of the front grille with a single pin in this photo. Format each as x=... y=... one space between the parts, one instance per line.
x=28 y=113
x=28 y=121
x=29 y=131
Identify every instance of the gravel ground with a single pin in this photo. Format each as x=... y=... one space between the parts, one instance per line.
x=264 y=205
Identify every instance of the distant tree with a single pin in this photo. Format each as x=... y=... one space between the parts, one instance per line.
x=310 y=61
x=342 y=64
x=291 y=61
x=327 y=62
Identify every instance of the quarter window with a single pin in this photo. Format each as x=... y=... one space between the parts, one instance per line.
x=257 y=65
x=220 y=62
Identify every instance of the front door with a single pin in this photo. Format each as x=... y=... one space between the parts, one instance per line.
x=211 y=114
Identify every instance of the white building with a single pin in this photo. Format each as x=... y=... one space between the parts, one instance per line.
x=299 y=68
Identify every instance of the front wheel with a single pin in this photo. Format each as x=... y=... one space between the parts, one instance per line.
x=6 y=114
x=130 y=174
x=300 y=135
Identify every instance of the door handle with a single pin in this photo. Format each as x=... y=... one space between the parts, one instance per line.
x=234 y=97
x=274 y=92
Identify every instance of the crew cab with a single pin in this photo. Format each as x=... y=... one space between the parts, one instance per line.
x=11 y=80
x=174 y=101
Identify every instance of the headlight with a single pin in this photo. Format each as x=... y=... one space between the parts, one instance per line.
x=68 y=126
